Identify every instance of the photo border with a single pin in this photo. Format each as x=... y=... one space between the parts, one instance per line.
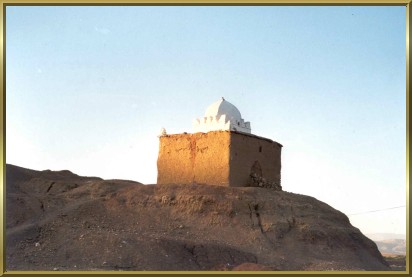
x=7 y=3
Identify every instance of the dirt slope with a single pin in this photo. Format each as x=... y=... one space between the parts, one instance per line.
x=62 y=221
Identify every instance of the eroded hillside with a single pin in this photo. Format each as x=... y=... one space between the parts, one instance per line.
x=62 y=221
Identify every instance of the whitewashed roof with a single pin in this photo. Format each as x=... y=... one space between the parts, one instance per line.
x=222 y=107
x=221 y=115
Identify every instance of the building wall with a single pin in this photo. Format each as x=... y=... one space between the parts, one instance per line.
x=194 y=158
x=218 y=158
x=252 y=153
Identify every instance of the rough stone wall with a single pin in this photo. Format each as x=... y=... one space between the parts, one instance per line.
x=254 y=161
x=219 y=158
x=194 y=158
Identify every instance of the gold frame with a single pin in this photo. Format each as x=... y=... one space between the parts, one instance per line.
x=5 y=3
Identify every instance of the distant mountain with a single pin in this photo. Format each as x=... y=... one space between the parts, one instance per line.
x=389 y=243
x=385 y=236
x=392 y=246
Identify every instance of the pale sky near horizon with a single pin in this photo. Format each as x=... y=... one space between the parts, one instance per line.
x=89 y=88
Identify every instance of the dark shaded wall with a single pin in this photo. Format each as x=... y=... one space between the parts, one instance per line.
x=253 y=154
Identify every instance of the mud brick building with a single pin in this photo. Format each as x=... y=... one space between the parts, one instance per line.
x=222 y=151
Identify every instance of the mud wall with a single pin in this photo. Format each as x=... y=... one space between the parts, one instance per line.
x=218 y=158
x=253 y=154
x=194 y=158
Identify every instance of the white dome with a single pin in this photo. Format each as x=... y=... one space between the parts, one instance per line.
x=221 y=115
x=223 y=107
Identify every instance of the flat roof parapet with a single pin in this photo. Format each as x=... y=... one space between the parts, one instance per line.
x=226 y=131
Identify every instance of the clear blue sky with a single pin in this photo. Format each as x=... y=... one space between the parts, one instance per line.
x=89 y=88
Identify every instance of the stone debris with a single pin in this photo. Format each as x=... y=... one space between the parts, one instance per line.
x=259 y=181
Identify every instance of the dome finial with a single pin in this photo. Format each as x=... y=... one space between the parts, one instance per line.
x=162 y=132
x=223 y=99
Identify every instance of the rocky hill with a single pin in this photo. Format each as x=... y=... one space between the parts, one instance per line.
x=57 y=220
